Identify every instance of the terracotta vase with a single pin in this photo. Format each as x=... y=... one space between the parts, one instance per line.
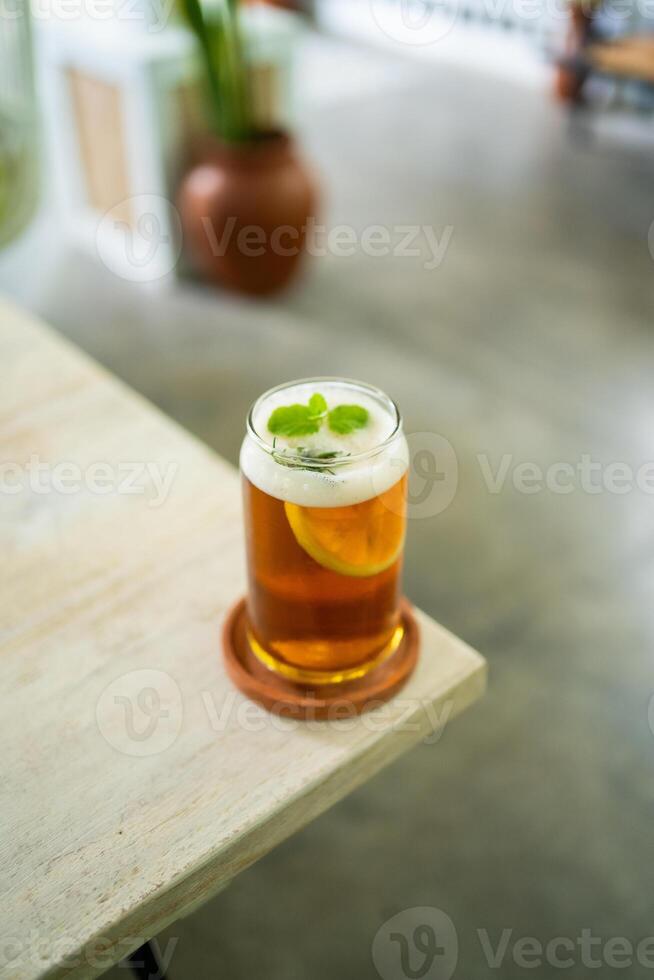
x=244 y=211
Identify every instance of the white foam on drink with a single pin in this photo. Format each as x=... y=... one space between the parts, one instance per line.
x=348 y=483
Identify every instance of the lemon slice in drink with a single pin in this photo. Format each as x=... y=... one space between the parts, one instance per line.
x=361 y=540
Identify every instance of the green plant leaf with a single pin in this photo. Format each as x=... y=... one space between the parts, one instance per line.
x=293 y=420
x=195 y=18
x=317 y=405
x=222 y=49
x=346 y=418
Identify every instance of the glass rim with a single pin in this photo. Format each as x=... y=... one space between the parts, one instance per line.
x=377 y=393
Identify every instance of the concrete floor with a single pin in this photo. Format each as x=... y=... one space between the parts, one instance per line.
x=534 y=338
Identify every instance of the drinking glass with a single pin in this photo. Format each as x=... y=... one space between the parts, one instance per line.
x=325 y=519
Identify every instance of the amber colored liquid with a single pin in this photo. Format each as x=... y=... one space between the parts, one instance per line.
x=309 y=616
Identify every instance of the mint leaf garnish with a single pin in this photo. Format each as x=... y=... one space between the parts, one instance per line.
x=304 y=420
x=293 y=420
x=298 y=420
x=346 y=418
x=317 y=405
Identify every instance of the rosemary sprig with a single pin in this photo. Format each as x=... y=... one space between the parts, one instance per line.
x=300 y=458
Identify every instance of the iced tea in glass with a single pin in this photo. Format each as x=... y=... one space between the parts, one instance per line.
x=324 y=467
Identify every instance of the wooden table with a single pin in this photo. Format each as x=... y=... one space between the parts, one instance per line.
x=135 y=781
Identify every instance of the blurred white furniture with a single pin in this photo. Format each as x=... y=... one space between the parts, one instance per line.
x=121 y=106
x=136 y=781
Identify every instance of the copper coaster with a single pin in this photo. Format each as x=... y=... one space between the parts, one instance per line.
x=286 y=697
